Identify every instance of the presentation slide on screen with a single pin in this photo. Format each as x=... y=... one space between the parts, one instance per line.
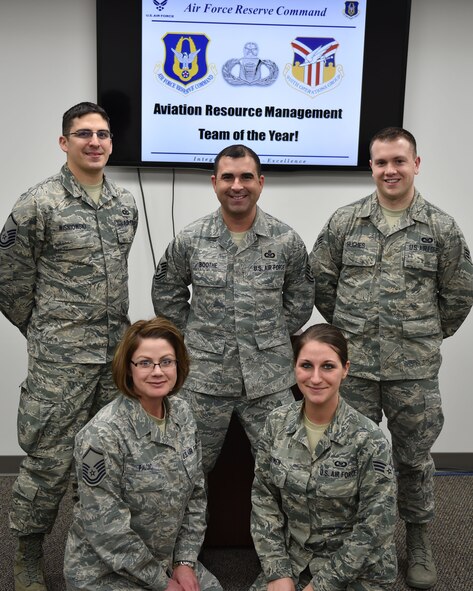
x=283 y=78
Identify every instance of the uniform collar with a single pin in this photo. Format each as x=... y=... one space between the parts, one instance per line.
x=417 y=209
x=217 y=226
x=337 y=431
x=143 y=425
x=73 y=187
x=416 y=212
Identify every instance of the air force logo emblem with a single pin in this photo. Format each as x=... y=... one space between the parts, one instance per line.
x=185 y=68
x=93 y=467
x=160 y=5
x=8 y=235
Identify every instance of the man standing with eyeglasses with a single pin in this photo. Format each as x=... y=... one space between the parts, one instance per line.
x=64 y=284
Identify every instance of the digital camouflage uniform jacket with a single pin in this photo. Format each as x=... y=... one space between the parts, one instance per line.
x=333 y=511
x=396 y=293
x=246 y=302
x=64 y=271
x=142 y=498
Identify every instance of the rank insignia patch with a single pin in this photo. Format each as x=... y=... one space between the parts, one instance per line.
x=8 y=234
x=383 y=468
x=93 y=467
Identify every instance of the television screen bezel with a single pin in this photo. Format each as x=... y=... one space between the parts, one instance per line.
x=119 y=80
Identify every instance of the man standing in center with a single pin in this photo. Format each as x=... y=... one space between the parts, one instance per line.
x=251 y=290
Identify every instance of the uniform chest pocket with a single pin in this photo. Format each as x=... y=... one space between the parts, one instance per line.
x=145 y=478
x=360 y=252
x=268 y=271
x=71 y=236
x=336 y=500
x=291 y=477
x=421 y=255
x=209 y=271
x=125 y=232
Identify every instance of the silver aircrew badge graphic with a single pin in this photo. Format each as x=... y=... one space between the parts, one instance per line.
x=250 y=70
x=93 y=467
x=185 y=68
x=313 y=70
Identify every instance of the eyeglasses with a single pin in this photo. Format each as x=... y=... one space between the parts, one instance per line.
x=87 y=134
x=164 y=364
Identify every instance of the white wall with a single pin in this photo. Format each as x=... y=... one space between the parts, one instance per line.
x=47 y=53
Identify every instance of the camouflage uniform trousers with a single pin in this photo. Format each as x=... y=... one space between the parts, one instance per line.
x=414 y=416
x=305 y=577
x=213 y=415
x=56 y=401
x=207 y=582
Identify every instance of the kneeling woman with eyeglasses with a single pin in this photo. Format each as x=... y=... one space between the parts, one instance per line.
x=140 y=519
x=324 y=493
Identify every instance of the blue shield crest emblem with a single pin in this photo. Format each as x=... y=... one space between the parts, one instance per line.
x=185 y=57
x=351 y=9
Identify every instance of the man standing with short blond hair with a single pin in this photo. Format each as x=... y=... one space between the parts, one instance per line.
x=395 y=274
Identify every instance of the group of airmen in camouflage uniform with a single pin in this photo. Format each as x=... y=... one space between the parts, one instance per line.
x=391 y=271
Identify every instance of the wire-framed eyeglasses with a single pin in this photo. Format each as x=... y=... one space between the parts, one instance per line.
x=87 y=134
x=147 y=364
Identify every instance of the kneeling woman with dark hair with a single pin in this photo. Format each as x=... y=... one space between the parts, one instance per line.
x=140 y=519
x=324 y=493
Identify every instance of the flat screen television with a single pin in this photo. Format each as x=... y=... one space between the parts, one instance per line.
x=304 y=83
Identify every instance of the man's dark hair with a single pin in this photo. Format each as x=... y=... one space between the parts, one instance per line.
x=238 y=151
x=80 y=110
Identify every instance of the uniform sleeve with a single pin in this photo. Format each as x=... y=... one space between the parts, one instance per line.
x=105 y=515
x=325 y=262
x=373 y=533
x=170 y=292
x=191 y=534
x=21 y=242
x=455 y=281
x=298 y=290
x=267 y=517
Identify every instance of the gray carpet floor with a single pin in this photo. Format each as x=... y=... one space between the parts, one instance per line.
x=236 y=568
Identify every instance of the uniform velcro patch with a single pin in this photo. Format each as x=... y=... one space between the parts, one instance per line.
x=383 y=468
x=161 y=272
x=308 y=274
x=8 y=234
x=93 y=467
